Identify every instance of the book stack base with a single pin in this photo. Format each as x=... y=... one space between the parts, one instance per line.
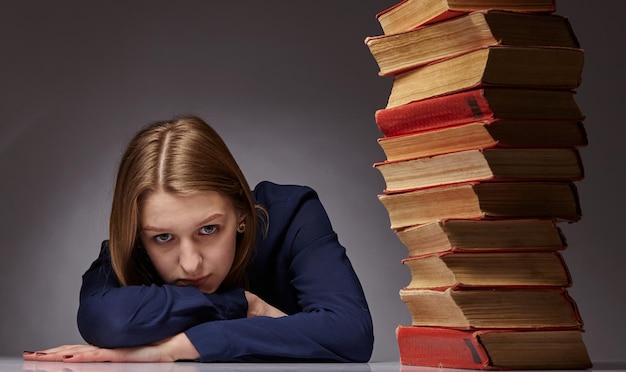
x=492 y=349
x=481 y=135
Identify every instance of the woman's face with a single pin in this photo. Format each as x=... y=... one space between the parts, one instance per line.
x=190 y=239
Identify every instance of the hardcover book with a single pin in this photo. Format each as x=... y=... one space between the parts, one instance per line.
x=496 y=164
x=488 y=269
x=402 y=51
x=484 y=135
x=522 y=67
x=408 y=14
x=492 y=308
x=480 y=235
x=492 y=349
x=484 y=104
x=476 y=200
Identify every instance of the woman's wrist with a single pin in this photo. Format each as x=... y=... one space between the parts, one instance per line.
x=181 y=348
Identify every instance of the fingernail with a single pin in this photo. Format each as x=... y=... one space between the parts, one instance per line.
x=39 y=353
x=28 y=352
x=67 y=356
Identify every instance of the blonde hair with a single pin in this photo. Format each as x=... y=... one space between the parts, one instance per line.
x=181 y=156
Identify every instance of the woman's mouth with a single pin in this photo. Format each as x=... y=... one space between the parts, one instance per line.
x=196 y=282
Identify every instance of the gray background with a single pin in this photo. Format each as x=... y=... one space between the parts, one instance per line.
x=293 y=89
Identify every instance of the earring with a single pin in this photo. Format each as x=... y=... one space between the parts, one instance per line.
x=241 y=228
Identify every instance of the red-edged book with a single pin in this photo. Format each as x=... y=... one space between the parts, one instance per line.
x=485 y=104
x=492 y=349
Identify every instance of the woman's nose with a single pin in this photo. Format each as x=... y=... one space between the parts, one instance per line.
x=190 y=257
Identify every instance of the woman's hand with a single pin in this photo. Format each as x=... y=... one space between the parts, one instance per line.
x=258 y=307
x=169 y=350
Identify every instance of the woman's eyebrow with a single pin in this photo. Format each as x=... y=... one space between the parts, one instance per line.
x=203 y=222
x=150 y=228
x=210 y=218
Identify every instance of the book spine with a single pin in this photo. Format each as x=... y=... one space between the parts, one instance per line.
x=576 y=198
x=438 y=112
x=423 y=346
x=569 y=284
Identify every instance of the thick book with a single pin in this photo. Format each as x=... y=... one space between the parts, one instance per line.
x=402 y=51
x=461 y=235
x=484 y=135
x=488 y=269
x=523 y=67
x=475 y=200
x=496 y=164
x=483 y=104
x=492 y=349
x=492 y=308
x=408 y=14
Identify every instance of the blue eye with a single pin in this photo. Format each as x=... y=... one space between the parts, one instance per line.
x=163 y=238
x=208 y=230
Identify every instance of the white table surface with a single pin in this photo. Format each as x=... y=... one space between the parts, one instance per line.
x=12 y=363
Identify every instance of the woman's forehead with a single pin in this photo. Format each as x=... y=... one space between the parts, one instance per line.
x=161 y=209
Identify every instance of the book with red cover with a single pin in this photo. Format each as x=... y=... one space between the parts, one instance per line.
x=484 y=104
x=492 y=349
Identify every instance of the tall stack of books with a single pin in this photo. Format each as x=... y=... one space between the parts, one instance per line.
x=482 y=135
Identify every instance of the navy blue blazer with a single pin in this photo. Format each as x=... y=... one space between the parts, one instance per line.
x=298 y=266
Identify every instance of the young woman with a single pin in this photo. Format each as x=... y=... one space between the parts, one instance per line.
x=198 y=267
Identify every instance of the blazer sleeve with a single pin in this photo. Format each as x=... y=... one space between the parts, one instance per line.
x=334 y=323
x=111 y=315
